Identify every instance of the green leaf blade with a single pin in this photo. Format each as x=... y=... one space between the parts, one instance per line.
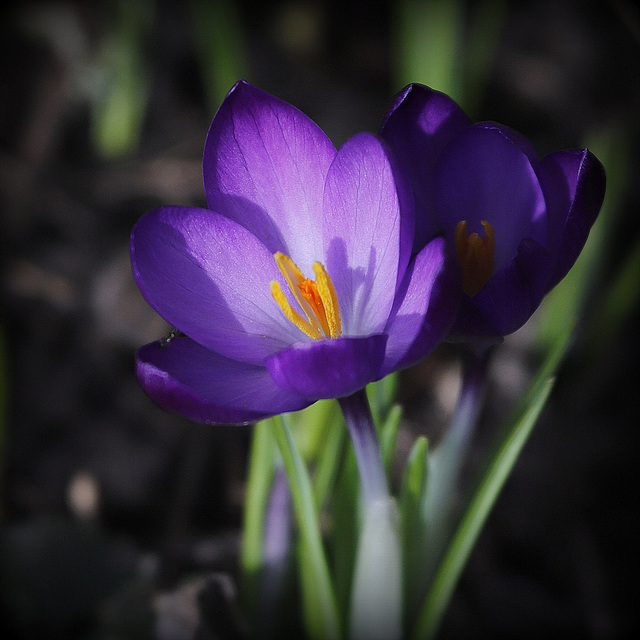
x=319 y=603
x=498 y=470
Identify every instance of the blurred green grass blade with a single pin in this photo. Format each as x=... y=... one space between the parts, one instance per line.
x=345 y=516
x=413 y=494
x=221 y=47
x=319 y=604
x=119 y=111
x=498 y=471
x=328 y=462
x=310 y=427
x=613 y=146
x=388 y=437
x=428 y=44
x=262 y=461
x=619 y=300
x=381 y=396
x=501 y=462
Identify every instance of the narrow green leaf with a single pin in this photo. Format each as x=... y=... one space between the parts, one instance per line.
x=310 y=427
x=619 y=300
x=261 y=467
x=319 y=603
x=413 y=494
x=428 y=44
x=328 y=462
x=388 y=437
x=381 y=396
x=345 y=519
x=119 y=110
x=492 y=481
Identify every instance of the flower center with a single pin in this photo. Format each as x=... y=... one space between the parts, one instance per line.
x=317 y=299
x=476 y=256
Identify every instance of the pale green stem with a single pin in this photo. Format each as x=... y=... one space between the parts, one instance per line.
x=362 y=431
x=376 y=599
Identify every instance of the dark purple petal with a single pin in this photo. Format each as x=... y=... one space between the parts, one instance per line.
x=574 y=184
x=484 y=175
x=210 y=278
x=418 y=125
x=368 y=232
x=425 y=306
x=331 y=368
x=264 y=166
x=509 y=298
x=185 y=378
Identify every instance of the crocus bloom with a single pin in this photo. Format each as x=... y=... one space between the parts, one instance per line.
x=516 y=223
x=298 y=282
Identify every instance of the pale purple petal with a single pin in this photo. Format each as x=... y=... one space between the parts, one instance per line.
x=368 y=230
x=210 y=278
x=264 y=166
x=418 y=125
x=425 y=306
x=331 y=368
x=574 y=183
x=484 y=175
x=186 y=378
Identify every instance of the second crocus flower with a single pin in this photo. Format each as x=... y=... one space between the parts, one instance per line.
x=515 y=223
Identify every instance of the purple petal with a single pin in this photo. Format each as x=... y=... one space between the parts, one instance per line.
x=425 y=307
x=418 y=125
x=510 y=297
x=210 y=278
x=484 y=174
x=574 y=183
x=368 y=232
x=264 y=166
x=185 y=378
x=331 y=368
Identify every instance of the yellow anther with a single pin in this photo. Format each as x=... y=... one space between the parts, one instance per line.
x=327 y=293
x=476 y=256
x=293 y=316
x=318 y=300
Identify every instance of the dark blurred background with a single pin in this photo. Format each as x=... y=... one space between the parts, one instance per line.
x=111 y=510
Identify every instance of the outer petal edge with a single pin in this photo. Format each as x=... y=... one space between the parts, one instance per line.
x=331 y=368
x=185 y=378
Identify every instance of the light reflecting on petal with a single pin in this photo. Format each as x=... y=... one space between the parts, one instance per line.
x=265 y=164
x=210 y=278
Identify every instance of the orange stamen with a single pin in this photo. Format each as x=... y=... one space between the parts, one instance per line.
x=317 y=299
x=476 y=256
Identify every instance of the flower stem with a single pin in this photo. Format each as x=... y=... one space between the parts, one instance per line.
x=450 y=453
x=376 y=597
x=357 y=415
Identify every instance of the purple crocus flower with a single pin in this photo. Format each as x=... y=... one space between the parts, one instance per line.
x=516 y=223
x=298 y=282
